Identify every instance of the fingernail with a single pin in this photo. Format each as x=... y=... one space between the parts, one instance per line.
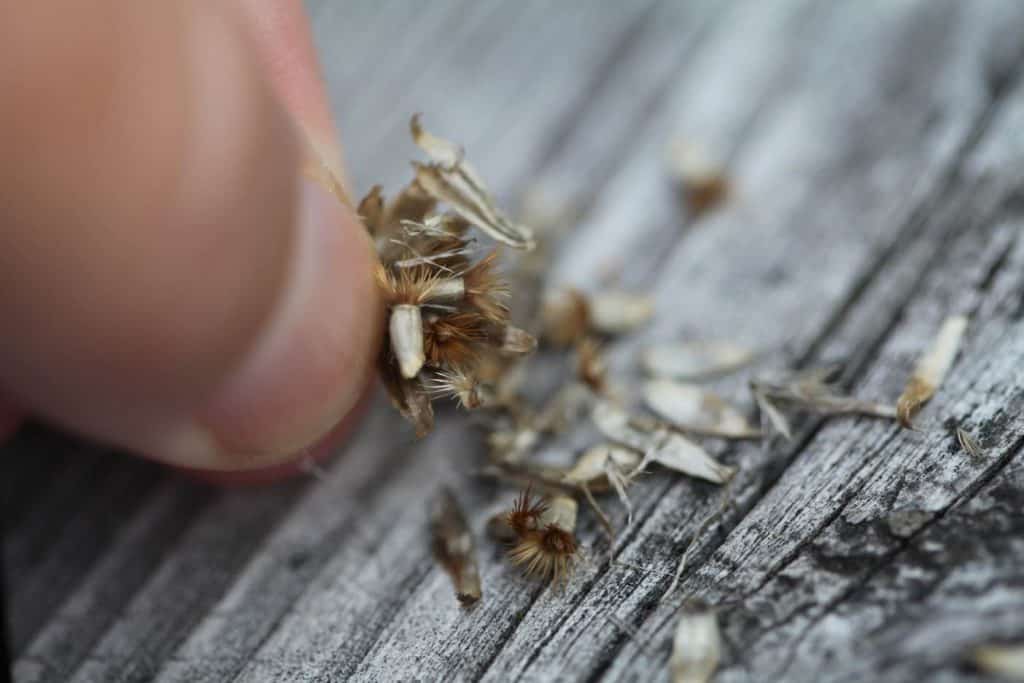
x=308 y=367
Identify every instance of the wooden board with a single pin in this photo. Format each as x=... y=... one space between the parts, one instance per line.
x=879 y=169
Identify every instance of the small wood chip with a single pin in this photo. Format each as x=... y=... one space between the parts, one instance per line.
x=454 y=548
x=931 y=369
x=696 y=647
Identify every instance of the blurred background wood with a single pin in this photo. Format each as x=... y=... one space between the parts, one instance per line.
x=878 y=162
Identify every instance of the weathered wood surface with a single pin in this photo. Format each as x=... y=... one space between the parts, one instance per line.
x=878 y=154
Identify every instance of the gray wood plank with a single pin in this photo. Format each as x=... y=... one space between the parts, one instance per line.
x=878 y=180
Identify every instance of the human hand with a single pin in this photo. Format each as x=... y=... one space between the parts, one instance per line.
x=170 y=281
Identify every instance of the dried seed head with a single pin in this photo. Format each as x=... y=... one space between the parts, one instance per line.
x=545 y=542
x=412 y=203
x=618 y=312
x=696 y=647
x=566 y=316
x=931 y=369
x=405 y=329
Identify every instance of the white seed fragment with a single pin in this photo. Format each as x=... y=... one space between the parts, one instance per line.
x=696 y=361
x=561 y=512
x=931 y=368
x=1002 y=660
x=696 y=647
x=618 y=312
x=447 y=290
x=406 y=328
x=696 y=410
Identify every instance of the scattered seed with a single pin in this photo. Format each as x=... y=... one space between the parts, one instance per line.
x=454 y=547
x=931 y=369
x=1002 y=660
x=614 y=313
x=696 y=410
x=696 y=647
x=696 y=361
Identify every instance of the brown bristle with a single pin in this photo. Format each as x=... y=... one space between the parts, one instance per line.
x=524 y=518
x=485 y=291
x=549 y=553
x=407 y=286
x=451 y=339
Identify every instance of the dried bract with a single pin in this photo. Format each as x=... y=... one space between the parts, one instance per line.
x=695 y=410
x=703 y=181
x=696 y=361
x=454 y=548
x=678 y=453
x=931 y=369
x=696 y=647
x=446 y=313
x=452 y=181
x=1006 y=661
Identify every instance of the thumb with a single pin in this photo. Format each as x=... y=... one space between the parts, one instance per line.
x=169 y=280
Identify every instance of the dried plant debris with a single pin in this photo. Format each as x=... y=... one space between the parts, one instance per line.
x=814 y=391
x=696 y=647
x=931 y=369
x=968 y=443
x=545 y=541
x=616 y=312
x=1006 y=661
x=696 y=361
x=703 y=180
x=658 y=445
x=696 y=410
x=569 y=314
x=451 y=180
x=448 y=313
x=454 y=548
x=599 y=468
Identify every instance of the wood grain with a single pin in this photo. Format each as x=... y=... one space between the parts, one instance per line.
x=878 y=166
